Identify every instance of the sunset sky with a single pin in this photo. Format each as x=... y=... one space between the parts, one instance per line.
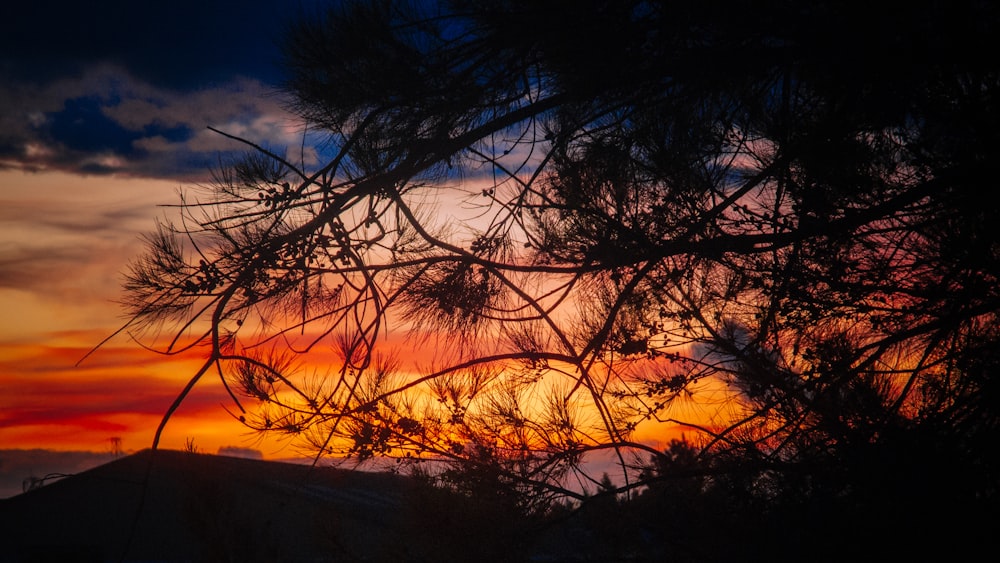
x=103 y=118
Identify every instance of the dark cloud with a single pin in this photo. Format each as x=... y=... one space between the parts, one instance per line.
x=106 y=121
x=129 y=88
x=22 y=268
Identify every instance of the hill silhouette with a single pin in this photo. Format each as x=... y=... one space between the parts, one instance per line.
x=176 y=506
x=166 y=506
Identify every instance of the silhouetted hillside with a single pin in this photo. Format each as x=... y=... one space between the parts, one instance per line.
x=170 y=506
x=18 y=467
x=173 y=506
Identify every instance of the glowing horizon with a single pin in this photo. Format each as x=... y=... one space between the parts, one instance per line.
x=72 y=237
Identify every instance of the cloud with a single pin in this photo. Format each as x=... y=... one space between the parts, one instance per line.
x=236 y=451
x=43 y=386
x=107 y=121
x=66 y=238
x=105 y=90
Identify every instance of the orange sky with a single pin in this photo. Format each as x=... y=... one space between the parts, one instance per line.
x=64 y=241
x=66 y=238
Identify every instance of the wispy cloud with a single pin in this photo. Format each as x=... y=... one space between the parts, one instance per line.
x=122 y=391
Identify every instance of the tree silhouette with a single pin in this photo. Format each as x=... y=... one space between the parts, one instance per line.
x=766 y=224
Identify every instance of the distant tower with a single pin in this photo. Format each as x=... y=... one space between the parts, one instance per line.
x=116 y=446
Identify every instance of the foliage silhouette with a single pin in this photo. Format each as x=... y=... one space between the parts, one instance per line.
x=765 y=224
